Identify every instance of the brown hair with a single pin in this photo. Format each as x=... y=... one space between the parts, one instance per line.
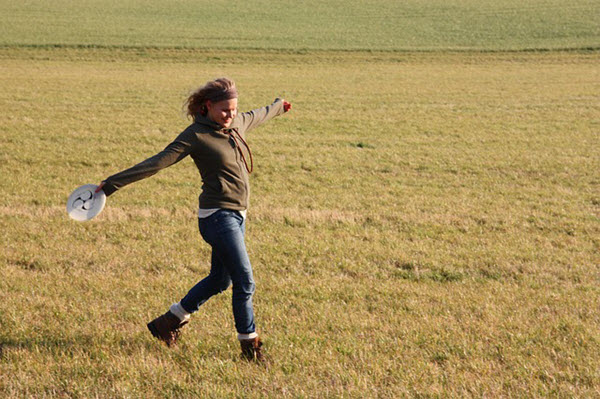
x=214 y=91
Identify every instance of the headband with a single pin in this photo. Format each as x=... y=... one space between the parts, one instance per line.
x=223 y=95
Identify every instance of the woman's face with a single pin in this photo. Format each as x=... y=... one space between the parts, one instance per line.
x=222 y=112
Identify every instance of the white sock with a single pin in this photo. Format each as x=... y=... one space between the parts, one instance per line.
x=247 y=336
x=179 y=311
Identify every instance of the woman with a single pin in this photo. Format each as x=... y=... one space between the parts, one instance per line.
x=216 y=143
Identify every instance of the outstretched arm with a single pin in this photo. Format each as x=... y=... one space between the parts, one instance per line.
x=251 y=119
x=173 y=153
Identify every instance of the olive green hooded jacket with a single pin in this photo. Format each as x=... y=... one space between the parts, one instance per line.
x=217 y=154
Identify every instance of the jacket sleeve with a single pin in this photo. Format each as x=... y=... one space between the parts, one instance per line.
x=250 y=120
x=180 y=148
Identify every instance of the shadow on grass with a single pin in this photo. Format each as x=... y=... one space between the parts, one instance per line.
x=414 y=272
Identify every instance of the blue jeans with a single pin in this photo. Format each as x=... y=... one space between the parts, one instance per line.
x=224 y=231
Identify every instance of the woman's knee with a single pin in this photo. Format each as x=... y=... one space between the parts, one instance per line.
x=244 y=288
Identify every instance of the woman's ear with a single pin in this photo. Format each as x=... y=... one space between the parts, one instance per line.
x=208 y=105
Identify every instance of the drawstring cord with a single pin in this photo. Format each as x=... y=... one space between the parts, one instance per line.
x=240 y=149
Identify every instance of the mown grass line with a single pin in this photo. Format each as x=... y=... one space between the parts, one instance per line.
x=160 y=49
x=276 y=57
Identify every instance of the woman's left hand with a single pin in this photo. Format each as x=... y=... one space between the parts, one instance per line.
x=99 y=187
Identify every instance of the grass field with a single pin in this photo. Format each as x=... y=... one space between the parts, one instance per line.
x=423 y=224
x=429 y=229
x=312 y=24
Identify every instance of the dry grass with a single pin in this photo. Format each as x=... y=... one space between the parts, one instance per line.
x=422 y=225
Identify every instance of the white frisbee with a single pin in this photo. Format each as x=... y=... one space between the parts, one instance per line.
x=83 y=204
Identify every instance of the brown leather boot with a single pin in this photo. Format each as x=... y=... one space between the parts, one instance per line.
x=251 y=350
x=166 y=328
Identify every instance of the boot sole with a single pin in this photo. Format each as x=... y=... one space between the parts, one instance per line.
x=157 y=335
